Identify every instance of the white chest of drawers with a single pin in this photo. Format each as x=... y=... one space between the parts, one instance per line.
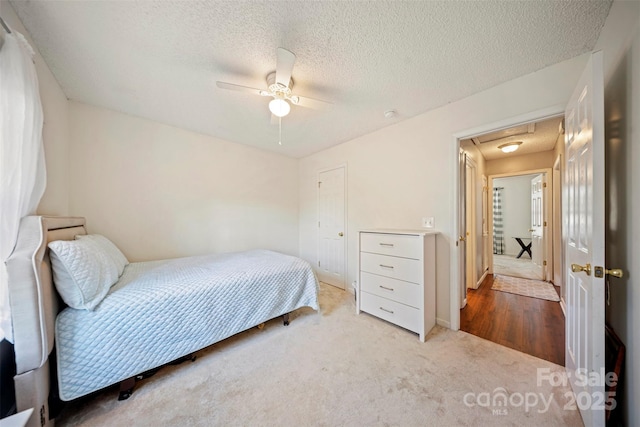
x=397 y=278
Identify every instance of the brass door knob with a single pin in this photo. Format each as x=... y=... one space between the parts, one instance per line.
x=340 y=234
x=576 y=268
x=615 y=272
x=461 y=238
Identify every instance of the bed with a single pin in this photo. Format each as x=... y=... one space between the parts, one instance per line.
x=156 y=312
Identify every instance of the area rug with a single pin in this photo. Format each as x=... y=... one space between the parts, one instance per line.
x=525 y=287
x=509 y=265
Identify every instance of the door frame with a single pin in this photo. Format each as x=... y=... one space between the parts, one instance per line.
x=548 y=214
x=486 y=247
x=454 y=267
x=346 y=224
x=462 y=228
x=471 y=215
x=559 y=228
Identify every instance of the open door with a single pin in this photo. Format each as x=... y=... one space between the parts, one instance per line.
x=462 y=227
x=537 y=225
x=584 y=245
x=470 y=225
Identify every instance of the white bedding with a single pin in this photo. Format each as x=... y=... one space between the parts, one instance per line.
x=162 y=310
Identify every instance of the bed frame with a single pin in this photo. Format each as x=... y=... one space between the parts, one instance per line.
x=34 y=306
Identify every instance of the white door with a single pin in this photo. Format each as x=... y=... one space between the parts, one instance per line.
x=462 y=226
x=584 y=246
x=331 y=226
x=537 y=218
x=470 y=214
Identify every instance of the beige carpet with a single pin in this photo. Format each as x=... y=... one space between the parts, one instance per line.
x=337 y=369
x=509 y=265
x=525 y=287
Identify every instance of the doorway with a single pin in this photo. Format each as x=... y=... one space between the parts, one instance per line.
x=519 y=231
x=522 y=226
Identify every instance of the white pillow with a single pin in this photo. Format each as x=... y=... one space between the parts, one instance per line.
x=82 y=273
x=106 y=245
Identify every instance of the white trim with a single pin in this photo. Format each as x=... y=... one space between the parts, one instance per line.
x=454 y=284
x=443 y=323
x=556 y=213
x=346 y=223
x=471 y=243
x=484 y=276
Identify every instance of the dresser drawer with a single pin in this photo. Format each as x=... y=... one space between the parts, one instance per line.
x=409 y=270
x=396 y=290
x=391 y=311
x=406 y=246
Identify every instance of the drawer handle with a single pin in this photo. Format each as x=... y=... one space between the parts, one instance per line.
x=388 y=311
x=386 y=266
x=387 y=244
x=384 y=287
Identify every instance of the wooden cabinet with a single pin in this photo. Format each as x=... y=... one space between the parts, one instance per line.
x=397 y=278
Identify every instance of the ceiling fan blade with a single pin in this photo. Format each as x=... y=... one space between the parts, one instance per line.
x=223 y=85
x=316 y=104
x=284 y=66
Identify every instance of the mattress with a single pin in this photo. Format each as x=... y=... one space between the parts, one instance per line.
x=160 y=311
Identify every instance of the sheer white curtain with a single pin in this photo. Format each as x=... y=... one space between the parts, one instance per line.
x=22 y=167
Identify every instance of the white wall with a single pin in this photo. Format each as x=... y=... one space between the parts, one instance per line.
x=55 y=132
x=159 y=191
x=403 y=172
x=516 y=211
x=512 y=164
x=620 y=43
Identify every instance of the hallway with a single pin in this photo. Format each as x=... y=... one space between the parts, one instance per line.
x=509 y=265
x=530 y=325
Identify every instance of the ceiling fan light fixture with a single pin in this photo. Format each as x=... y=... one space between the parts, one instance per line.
x=510 y=147
x=279 y=107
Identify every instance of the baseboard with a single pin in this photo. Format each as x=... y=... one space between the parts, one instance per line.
x=484 y=275
x=443 y=323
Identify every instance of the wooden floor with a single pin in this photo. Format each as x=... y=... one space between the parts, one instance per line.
x=530 y=325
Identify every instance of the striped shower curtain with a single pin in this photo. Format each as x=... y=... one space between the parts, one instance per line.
x=498 y=233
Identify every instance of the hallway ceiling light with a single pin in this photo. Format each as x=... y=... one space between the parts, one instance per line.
x=510 y=147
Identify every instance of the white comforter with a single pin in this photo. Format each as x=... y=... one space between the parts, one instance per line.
x=162 y=310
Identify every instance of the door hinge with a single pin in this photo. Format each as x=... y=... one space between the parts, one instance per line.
x=318 y=263
x=544 y=185
x=545 y=223
x=544 y=262
x=319 y=182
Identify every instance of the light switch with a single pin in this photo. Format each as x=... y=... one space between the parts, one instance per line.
x=428 y=222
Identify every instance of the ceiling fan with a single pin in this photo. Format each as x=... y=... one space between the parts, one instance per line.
x=280 y=84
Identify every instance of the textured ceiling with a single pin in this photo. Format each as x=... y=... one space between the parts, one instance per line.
x=161 y=59
x=535 y=137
